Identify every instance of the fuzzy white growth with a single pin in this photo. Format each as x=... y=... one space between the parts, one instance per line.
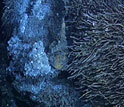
x=40 y=10
x=38 y=63
x=31 y=56
x=23 y=23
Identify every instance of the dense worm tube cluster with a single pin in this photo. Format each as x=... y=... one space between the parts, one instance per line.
x=96 y=28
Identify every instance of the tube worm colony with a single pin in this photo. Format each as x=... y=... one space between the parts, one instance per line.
x=96 y=28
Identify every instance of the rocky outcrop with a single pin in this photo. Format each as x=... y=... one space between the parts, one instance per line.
x=38 y=50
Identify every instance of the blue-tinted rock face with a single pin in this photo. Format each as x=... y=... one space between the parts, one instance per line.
x=31 y=36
